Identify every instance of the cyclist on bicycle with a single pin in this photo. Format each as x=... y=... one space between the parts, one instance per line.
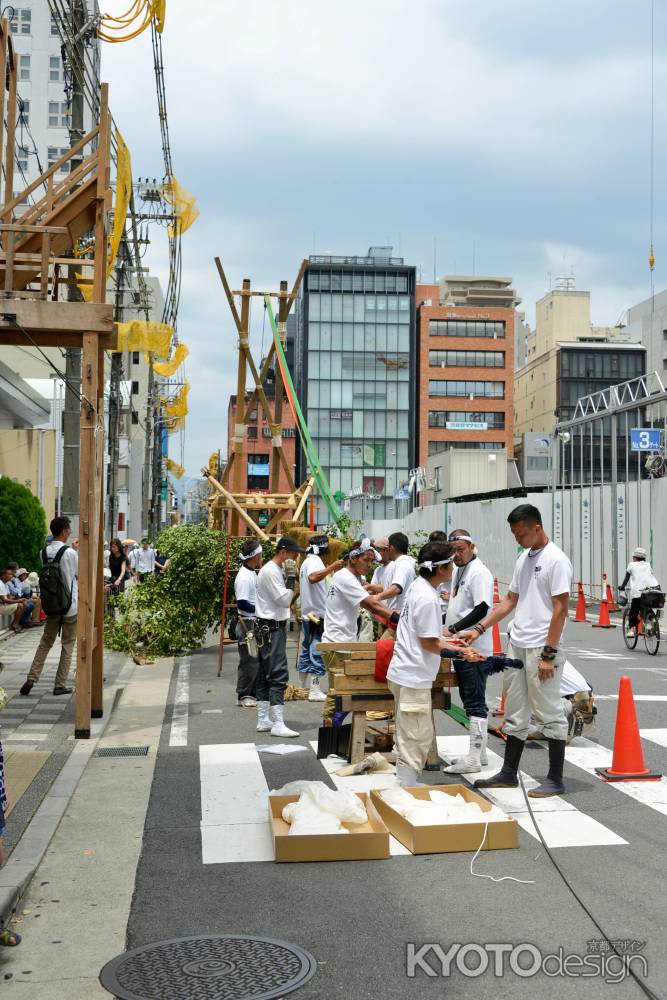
x=640 y=576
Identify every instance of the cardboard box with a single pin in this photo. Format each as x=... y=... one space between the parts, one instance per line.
x=365 y=842
x=447 y=837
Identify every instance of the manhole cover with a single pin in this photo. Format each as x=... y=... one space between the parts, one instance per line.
x=121 y=752
x=216 y=967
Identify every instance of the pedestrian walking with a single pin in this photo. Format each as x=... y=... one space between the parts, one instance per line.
x=417 y=659
x=118 y=566
x=470 y=601
x=539 y=595
x=59 y=594
x=143 y=563
x=312 y=575
x=245 y=592
x=276 y=583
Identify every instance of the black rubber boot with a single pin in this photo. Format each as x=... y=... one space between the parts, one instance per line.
x=553 y=783
x=507 y=776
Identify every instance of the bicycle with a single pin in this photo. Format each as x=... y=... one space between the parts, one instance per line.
x=652 y=602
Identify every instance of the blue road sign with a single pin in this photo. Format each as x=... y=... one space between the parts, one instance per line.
x=645 y=439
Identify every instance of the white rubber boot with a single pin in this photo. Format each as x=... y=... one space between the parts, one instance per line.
x=263 y=720
x=315 y=692
x=472 y=761
x=303 y=679
x=279 y=728
x=484 y=760
x=406 y=776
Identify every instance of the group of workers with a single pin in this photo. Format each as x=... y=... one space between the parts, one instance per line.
x=440 y=604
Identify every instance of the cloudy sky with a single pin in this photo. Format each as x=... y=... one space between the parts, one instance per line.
x=513 y=135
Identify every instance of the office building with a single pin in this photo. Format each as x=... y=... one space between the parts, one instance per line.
x=466 y=336
x=356 y=374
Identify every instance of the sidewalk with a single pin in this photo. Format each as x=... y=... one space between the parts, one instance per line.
x=73 y=916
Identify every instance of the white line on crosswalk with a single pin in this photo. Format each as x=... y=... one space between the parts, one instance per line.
x=637 y=697
x=179 y=720
x=658 y=736
x=234 y=804
x=561 y=823
x=588 y=756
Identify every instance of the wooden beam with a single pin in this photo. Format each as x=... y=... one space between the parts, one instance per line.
x=239 y=428
x=297 y=285
x=4 y=35
x=276 y=450
x=236 y=507
x=97 y=680
x=230 y=294
x=307 y=490
x=54 y=318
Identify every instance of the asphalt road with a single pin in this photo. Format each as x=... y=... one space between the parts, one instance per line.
x=359 y=918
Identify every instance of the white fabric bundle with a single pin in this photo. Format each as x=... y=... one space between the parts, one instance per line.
x=322 y=810
x=439 y=808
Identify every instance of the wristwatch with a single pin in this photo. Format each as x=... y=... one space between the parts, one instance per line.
x=549 y=653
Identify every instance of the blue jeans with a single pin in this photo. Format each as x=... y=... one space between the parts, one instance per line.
x=29 y=607
x=472 y=687
x=310 y=661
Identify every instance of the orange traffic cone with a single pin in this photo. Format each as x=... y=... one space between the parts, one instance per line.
x=628 y=761
x=580 y=614
x=495 y=631
x=604 y=616
x=611 y=603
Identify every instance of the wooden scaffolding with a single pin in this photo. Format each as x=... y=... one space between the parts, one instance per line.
x=227 y=498
x=36 y=251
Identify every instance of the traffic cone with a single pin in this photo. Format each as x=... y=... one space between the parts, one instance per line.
x=611 y=603
x=604 y=616
x=580 y=614
x=495 y=631
x=628 y=760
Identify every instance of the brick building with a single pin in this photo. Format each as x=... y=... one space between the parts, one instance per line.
x=257 y=445
x=465 y=329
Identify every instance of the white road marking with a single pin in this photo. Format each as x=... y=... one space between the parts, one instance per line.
x=658 y=736
x=178 y=736
x=561 y=823
x=234 y=803
x=588 y=756
x=637 y=697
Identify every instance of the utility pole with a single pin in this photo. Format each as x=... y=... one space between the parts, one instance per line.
x=72 y=409
x=117 y=372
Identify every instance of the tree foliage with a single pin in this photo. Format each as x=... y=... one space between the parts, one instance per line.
x=22 y=525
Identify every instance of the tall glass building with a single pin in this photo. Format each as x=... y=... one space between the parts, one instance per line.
x=355 y=369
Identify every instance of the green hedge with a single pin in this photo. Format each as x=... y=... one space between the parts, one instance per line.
x=22 y=525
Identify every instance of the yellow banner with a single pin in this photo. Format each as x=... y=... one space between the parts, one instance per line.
x=183 y=204
x=178 y=406
x=142 y=335
x=175 y=469
x=123 y=194
x=169 y=368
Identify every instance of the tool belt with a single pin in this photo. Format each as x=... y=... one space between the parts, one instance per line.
x=250 y=641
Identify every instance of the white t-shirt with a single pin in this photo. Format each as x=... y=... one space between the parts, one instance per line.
x=245 y=588
x=536 y=579
x=144 y=560
x=475 y=584
x=69 y=566
x=572 y=681
x=312 y=594
x=341 y=607
x=403 y=573
x=273 y=599
x=641 y=577
x=421 y=618
x=382 y=574
x=4 y=592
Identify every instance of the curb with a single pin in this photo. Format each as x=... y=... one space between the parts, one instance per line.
x=26 y=857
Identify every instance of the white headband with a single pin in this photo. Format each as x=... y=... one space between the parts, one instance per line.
x=316 y=549
x=429 y=564
x=365 y=546
x=255 y=552
x=462 y=538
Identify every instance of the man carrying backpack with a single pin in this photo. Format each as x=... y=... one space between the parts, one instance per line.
x=58 y=590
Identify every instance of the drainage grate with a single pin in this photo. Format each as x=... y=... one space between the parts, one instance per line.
x=215 y=967
x=121 y=752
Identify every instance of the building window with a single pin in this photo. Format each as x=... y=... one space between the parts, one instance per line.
x=135 y=357
x=494 y=390
x=135 y=417
x=436 y=447
x=24 y=68
x=58 y=114
x=54 y=25
x=24 y=111
x=135 y=388
x=21 y=21
x=465 y=328
x=252 y=433
x=466 y=359
x=22 y=158
x=54 y=154
x=494 y=420
x=55 y=69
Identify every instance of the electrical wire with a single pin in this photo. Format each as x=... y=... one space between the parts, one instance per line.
x=11 y=318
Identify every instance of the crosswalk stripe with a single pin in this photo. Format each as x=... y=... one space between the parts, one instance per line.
x=658 y=736
x=178 y=736
x=588 y=756
x=234 y=803
x=560 y=822
x=636 y=697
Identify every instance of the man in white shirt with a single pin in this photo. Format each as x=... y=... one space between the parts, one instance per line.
x=416 y=661
x=275 y=593
x=471 y=599
x=401 y=576
x=143 y=564
x=245 y=592
x=312 y=591
x=539 y=595
x=11 y=607
x=640 y=577
x=63 y=624
x=346 y=595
